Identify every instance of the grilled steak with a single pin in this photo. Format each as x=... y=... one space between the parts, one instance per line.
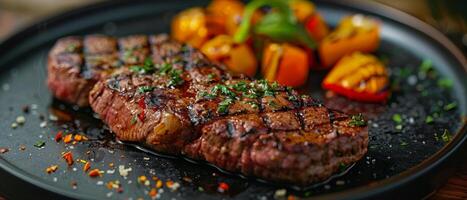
x=178 y=102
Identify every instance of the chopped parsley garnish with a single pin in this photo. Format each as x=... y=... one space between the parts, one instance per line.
x=144 y=89
x=147 y=67
x=357 y=120
x=397 y=118
x=426 y=66
x=342 y=167
x=446 y=136
x=223 y=106
x=273 y=104
x=134 y=119
x=175 y=78
x=445 y=83
x=292 y=98
x=39 y=144
x=429 y=119
x=211 y=76
x=71 y=47
x=240 y=86
x=223 y=89
x=450 y=106
x=253 y=104
x=165 y=68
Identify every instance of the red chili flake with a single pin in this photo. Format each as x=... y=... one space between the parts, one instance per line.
x=87 y=166
x=159 y=184
x=51 y=169
x=222 y=187
x=68 y=156
x=94 y=173
x=78 y=138
x=169 y=183
x=141 y=105
x=68 y=138
x=153 y=192
x=141 y=115
x=59 y=136
x=4 y=150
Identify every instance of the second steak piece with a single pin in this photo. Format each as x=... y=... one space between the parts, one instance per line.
x=75 y=63
x=190 y=106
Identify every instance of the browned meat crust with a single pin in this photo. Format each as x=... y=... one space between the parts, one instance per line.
x=188 y=105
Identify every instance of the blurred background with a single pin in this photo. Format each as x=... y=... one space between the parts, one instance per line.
x=449 y=16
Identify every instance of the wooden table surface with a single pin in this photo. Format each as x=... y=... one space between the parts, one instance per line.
x=13 y=19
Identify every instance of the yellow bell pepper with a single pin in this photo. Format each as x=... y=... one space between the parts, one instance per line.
x=302 y=9
x=239 y=58
x=192 y=26
x=354 y=33
x=360 y=77
x=286 y=64
x=226 y=13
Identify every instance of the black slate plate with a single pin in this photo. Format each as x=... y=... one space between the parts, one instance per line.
x=410 y=162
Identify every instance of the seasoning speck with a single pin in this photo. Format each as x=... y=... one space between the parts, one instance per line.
x=14 y=125
x=4 y=150
x=123 y=171
x=51 y=169
x=20 y=120
x=280 y=193
x=39 y=144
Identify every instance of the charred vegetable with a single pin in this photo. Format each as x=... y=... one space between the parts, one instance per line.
x=306 y=14
x=354 y=33
x=239 y=58
x=192 y=26
x=285 y=63
x=359 y=77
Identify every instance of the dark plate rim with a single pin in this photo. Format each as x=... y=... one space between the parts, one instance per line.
x=410 y=175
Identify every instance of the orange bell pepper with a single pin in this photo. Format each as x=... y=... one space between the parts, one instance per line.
x=239 y=58
x=359 y=77
x=354 y=33
x=302 y=9
x=286 y=64
x=192 y=26
x=226 y=13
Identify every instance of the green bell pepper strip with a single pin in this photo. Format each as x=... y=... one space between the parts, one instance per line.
x=280 y=25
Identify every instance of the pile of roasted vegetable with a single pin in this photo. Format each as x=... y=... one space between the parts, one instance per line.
x=286 y=39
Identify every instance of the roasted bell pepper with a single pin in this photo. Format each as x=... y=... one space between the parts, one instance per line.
x=302 y=9
x=360 y=77
x=316 y=27
x=239 y=58
x=226 y=13
x=280 y=24
x=306 y=14
x=192 y=26
x=354 y=33
x=286 y=64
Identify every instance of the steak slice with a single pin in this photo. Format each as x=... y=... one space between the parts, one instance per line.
x=75 y=64
x=183 y=104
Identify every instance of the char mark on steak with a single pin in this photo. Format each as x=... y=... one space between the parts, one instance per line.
x=178 y=102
